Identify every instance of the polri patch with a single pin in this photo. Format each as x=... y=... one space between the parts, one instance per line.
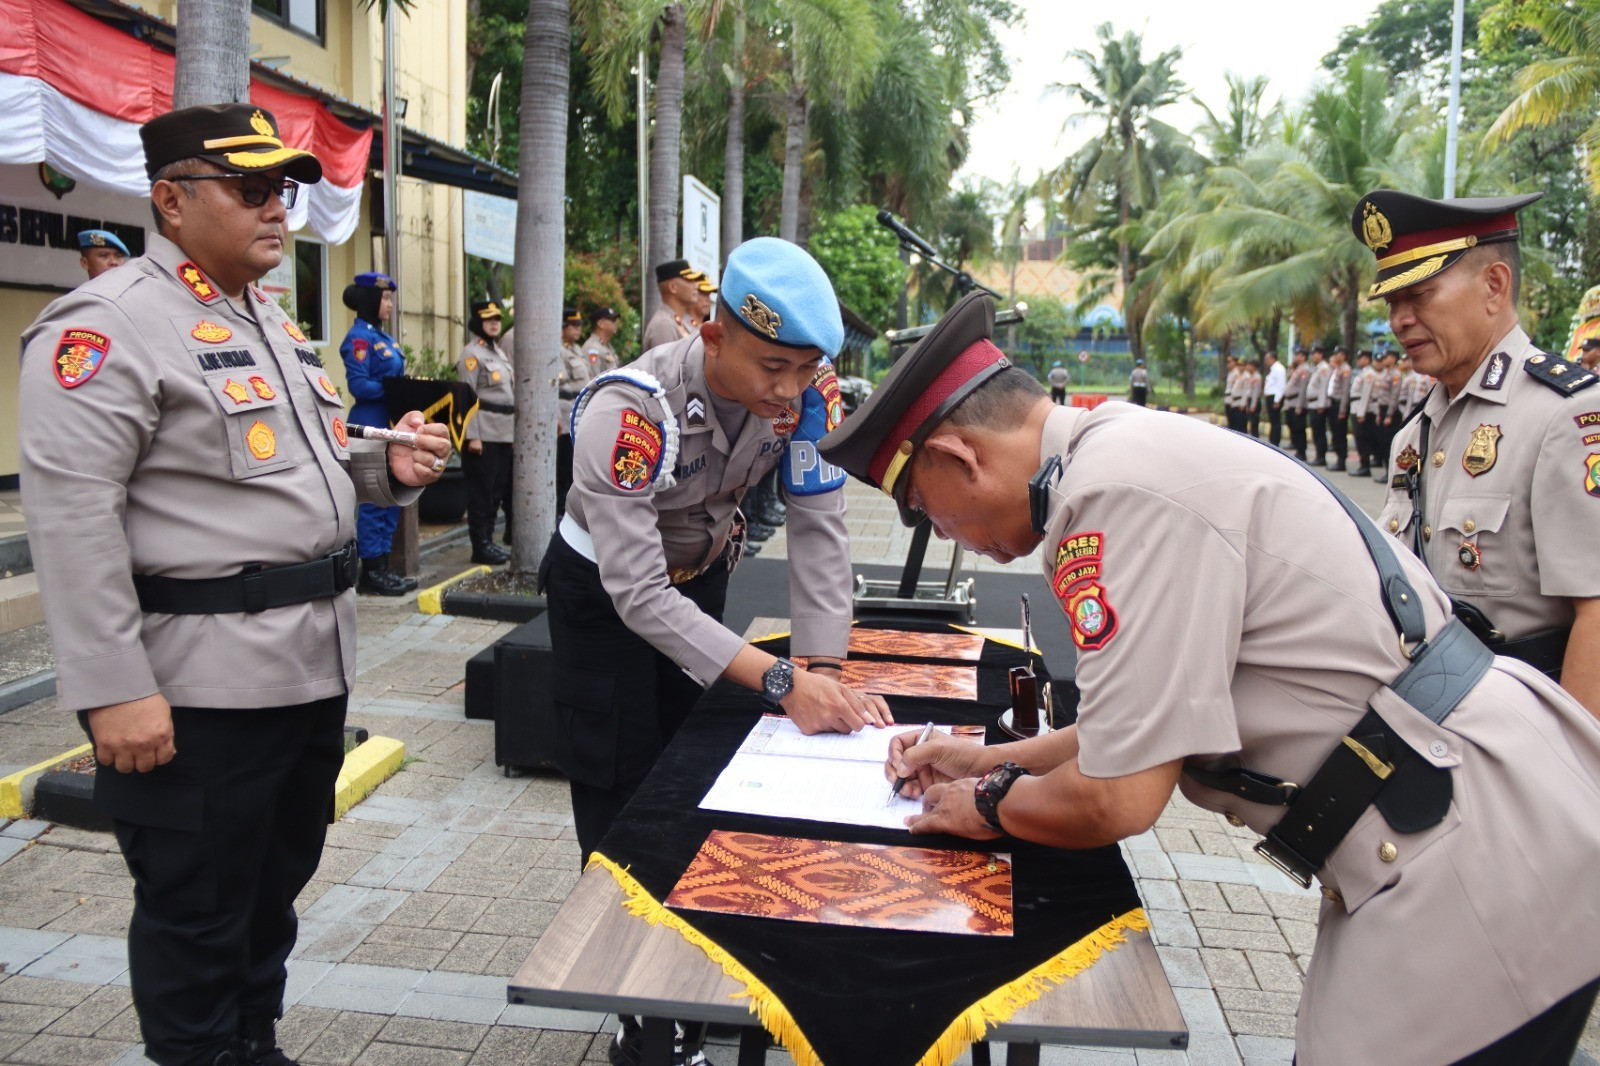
x=471 y=363
x=1591 y=474
x=636 y=452
x=263 y=388
x=294 y=331
x=235 y=392
x=262 y=442
x=358 y=348
x=1094 y=622
x=210 y=332
x=79 y=356
x=1077 y=563
x=1591 y=438
x=340 y=434
x=195 y=281
x=327 y=387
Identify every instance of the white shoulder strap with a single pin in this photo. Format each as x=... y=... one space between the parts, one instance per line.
x=669 y=422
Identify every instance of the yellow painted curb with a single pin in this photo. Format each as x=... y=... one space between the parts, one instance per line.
x=12 y=785
x=371 y=764
x=431 y=600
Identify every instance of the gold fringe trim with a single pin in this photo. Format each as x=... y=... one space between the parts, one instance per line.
x=968 y=1026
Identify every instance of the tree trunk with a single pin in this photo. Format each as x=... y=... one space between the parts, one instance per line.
x=733 y=153
x=1275 y=333
x=213 y=53
x=1351 y=300
x=541 y=234
x=1188 y=366
x=794 y=161
x=664 y=148
x=1224 y=349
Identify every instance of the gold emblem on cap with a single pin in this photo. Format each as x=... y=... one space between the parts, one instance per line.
x=1375 y=227
x=1482 y=451
x=762 y=318
x=259 y=123
x=97 y=239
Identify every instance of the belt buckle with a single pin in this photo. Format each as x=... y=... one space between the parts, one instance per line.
x=1291 y=867
x=253 y=583
x=682 y=574
x=347 y=564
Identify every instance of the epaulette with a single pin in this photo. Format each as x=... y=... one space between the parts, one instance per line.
x=1566 y=378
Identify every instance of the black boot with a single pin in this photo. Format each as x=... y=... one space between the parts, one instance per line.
x=257 y=1044
x=378 y=580
x=486 y=551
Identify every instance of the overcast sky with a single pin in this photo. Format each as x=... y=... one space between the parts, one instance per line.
x=1021 y=131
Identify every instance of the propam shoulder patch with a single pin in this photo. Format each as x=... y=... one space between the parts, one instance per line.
x=1566 y=378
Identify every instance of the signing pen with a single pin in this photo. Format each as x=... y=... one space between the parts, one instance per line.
x=900 y=782
x=394 y=436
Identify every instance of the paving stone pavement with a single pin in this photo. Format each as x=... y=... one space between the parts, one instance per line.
x=432 y=891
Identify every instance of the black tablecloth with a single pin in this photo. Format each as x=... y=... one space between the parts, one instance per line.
x=848 y=996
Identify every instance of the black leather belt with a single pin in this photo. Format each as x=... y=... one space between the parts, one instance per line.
x=253 y=589
x=1544 y=651
x=497 y=408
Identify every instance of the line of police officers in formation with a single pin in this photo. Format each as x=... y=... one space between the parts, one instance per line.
x=1327 y=404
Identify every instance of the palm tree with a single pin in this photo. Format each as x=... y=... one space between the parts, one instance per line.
x=1123 y=91
x=1244 y=124
x=1566 y=86
x=542 y=173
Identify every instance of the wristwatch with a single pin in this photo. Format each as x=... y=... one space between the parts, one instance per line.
x=992 y=788
x=777 y=682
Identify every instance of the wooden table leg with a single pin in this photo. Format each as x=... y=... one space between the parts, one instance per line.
x=656 y=1047
x=1022 y=1054
x=752 y=1046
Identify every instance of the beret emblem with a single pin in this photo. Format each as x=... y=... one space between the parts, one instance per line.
x=761 y=317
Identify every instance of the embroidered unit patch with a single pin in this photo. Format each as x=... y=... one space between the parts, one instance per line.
x=210 y=332
x=636 y=452
x=340 y=434
x=263 y=389
x=358 y=348
x=261 y=441
x=294 y=331
x=235 y=391
x=1094 y=623
x=79 y=356
x=1591 y=476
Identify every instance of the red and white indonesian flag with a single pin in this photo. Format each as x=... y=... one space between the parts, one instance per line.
x=74 y=92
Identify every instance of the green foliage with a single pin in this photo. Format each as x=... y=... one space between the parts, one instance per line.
x=606 y=279
x=863 y=261
x=1048 y=332
x=432 y=363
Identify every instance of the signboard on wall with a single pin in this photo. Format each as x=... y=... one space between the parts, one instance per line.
x=702 y=228
x=489 y=226
x=39 y=225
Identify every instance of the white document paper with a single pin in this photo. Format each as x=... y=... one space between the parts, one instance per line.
x=779 y=772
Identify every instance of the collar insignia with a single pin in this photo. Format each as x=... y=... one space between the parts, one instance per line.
x=1375 y=228
x=210 y=332
x=762 y=318
x=1494 y=374
x=197 y=282
x=1482 y=450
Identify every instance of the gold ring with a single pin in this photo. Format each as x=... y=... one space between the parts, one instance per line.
x=438 y=465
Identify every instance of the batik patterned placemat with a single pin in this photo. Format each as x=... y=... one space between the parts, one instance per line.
x=917 y=680
x=831 y=882
x=908 y=644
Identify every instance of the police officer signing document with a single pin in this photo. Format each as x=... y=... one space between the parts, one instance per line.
x=192 y=491
x=1495 y=481
x=663 y=451
x=1447 y=799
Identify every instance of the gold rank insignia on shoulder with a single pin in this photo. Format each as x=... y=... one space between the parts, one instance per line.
x=1482 y=450
x=1558 y=374
x=1375 y=229
x=762 y=318
x=197 y=283
x=210 y=332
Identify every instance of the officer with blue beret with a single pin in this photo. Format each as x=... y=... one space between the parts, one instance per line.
x=101 y=251
x=664 y=450
x=371 y=357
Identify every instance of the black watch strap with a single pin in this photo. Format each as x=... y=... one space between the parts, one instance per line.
x=992 y=788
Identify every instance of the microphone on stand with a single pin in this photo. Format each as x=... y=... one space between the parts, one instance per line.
x=906 y=234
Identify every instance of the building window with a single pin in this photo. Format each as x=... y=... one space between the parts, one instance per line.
x=311 y=288
x=307 y=16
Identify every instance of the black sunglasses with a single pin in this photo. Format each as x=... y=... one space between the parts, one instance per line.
x=255 y=189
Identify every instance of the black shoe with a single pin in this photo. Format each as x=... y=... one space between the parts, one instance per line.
x=490 y=553
x=626 y=1043
x=409 y=584
x=752 y=549
x=772 y=514
x=378 y=580
x=1336 y=467
x=257 y=1044
x=758 y=532
x=1364 y=471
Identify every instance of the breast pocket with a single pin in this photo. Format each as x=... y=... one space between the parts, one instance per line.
x=330 y=408
x=1474 y=564
x=1395 y=518
x=253 y=410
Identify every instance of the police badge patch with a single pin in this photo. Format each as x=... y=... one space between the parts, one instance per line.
x=637 y=452
x=1482 y=451
x=827 y=383
x=1591 y=478
x=79 y=356
x=1407 y=459
x=1094 y=623
x=358 y=348
x=1077 y=586
x=294 y=331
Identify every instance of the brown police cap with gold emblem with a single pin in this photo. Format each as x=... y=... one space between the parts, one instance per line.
x=242 y=138
x=876 y=443
x=1415 y=238
x=485 y=309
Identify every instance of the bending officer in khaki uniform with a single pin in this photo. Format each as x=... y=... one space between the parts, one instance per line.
x=1455 y=832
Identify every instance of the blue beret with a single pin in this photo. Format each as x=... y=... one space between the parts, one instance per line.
x=101 y=238
x=374 y=280
x=780 y=294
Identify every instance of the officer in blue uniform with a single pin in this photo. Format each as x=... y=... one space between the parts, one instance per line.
x=100 y=250
x=370 y=357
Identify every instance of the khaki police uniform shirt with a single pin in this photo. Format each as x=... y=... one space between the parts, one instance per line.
x=1058 y=377
x=642 y=535
x=487 y=368
x=1226 y=612
x=167 y=430
x=1362 y=384
x=1511 y=487
x=1253 y=386
x=1339 y=390
x=1294 y=392
x=1317 y=388
x=602 y=355
x=1232 y=391
x=577 y=370
x=664 y=327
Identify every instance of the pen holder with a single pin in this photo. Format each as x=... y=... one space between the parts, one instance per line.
x=1022 y=720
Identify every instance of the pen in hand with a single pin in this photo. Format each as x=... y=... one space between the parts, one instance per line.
x=900 y=782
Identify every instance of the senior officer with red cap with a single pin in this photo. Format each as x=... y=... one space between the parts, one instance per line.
x=192 y=491
x=1450 y=802
x=1497 y=475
